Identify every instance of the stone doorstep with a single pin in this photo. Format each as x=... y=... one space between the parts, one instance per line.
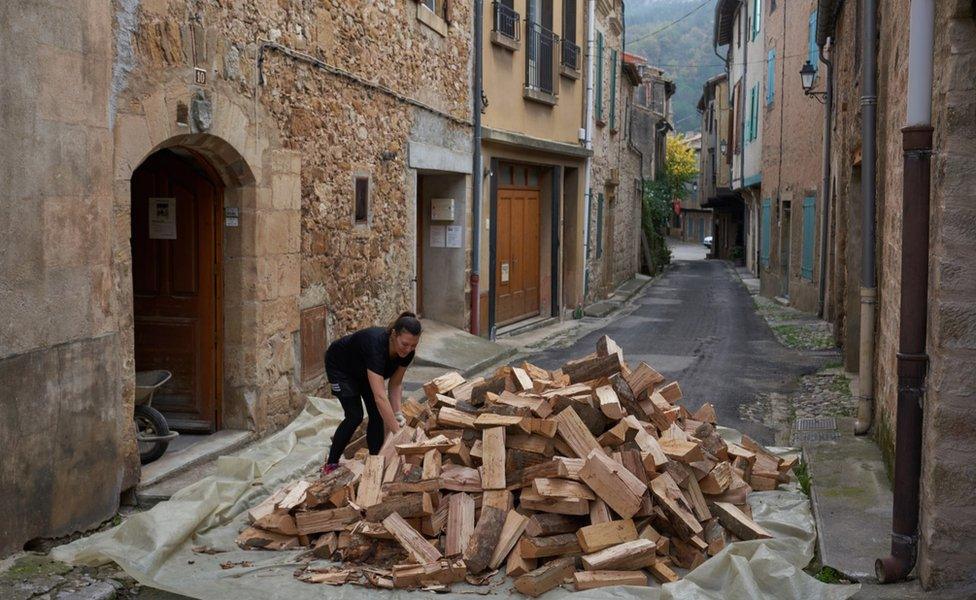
x=172 y=464
x=526 y=326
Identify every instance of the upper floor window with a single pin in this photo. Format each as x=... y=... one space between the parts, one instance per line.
x=438 y=7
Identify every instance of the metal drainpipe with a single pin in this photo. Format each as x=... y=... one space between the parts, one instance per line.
x=477 y=183
x=869 y=104
x=825 y=225
x=588 y=143
x=913 y=314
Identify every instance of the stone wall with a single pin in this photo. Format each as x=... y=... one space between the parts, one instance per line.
x=948 y=520
x=66 y=433
x=609 y=147
x=91 y=92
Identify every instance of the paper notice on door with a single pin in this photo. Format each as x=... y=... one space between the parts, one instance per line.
x=438 y=236
x=505 y=272
x=162 y=218
x=454 y=236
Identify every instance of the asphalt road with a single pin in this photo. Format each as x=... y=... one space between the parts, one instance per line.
x=697 y=324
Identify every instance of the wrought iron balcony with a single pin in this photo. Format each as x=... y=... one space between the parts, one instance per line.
x=505 y=21
x=570 y=55
x=540 y=55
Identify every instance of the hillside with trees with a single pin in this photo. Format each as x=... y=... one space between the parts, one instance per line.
x=684 y=49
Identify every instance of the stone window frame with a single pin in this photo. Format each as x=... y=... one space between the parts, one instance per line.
x=433 y=20
x=364 y=224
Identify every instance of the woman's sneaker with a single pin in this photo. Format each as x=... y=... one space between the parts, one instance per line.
x=329 y=467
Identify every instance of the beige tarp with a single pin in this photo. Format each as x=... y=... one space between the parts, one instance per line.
x=155 y=547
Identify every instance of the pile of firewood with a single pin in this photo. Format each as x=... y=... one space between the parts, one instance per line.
x=593 y=473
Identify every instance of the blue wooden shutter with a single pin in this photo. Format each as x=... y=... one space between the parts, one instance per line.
x=599 y=76
x=809 y=217
x=812 y=42
x=613 y=89
x=764 y=232
x=599 y=227
x=770 y=76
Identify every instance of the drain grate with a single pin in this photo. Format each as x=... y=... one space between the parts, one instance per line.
x=822 y=435
x=809 y=423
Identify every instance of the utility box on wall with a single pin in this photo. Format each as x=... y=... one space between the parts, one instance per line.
x=442 y=209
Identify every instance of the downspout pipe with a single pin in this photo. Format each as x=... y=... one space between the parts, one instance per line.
x=588 y=142
x=477 y=182
x=869 y=105
x=913 y=317
x=825 y=188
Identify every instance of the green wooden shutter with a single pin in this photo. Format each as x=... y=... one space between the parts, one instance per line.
x=765 y=228
x=613 y=89
x=599 y=226
x=809 y=217
x=770 y=76
x=599 y=76
x=756 y=18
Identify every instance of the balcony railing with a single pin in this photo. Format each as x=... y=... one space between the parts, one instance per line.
x=540 y=58
x=505 y=20
x=570 y=55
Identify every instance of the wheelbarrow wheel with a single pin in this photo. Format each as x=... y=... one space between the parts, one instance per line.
x=150 y=421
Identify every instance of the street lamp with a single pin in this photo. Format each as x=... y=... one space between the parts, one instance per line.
x=807 y=75
x=723 y=146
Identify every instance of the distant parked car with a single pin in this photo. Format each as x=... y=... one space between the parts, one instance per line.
x=708 y=242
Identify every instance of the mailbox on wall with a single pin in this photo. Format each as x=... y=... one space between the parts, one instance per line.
x=442 y=209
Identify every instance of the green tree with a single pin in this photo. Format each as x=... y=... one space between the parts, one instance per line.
x=680 y=168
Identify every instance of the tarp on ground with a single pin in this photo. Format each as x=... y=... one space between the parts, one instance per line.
x=156 y=547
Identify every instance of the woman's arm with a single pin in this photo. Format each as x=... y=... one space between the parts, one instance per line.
x=396 y=388
x=382 y=401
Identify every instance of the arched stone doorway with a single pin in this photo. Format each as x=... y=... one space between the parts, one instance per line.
x=177 y=260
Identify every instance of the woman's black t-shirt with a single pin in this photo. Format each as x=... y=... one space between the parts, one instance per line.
x=348 y=358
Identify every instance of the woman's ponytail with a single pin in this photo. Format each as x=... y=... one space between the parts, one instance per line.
x=407 y=321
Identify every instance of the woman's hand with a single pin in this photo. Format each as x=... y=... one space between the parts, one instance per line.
x=382 y=401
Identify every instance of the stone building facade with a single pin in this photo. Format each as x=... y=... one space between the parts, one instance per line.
x=792 y=156
x=947 y=517
x=267 y=160
x=612 y=198
x=715 y=168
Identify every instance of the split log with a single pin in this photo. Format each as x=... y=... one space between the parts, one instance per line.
x=512 y=530
x=627 y=556
x=537 y=582
x=416 y=546
x=594 y=538
x=614 y=484
x=564 y=544
x=460 y=523
x=485 y=538
x=588 y=580
x=408 y=506
x=739 y=523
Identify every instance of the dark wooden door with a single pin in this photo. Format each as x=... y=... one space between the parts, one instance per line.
x=517 y=262
x=175 y=286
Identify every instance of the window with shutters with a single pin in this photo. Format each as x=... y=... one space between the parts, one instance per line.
x=770 y=76
x=765 y=228
x=599 y=77
x=809 y=233
x=613 y=89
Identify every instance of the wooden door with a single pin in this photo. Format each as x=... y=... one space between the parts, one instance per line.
x=174 y=281
x=517 y=255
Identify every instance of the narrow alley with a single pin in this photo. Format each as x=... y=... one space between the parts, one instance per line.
x=698 y=324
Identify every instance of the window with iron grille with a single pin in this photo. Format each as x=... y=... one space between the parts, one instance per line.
x=570 y=54
x=505 y=20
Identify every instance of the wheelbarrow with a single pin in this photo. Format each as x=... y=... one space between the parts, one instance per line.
x=152 y=430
